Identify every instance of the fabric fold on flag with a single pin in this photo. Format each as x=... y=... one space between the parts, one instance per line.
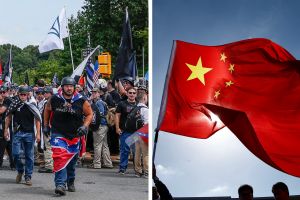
x=250 y=86
x=126 y=59
x=57 y=32
x=141 y=133
x=63 y=151
x=78 y=71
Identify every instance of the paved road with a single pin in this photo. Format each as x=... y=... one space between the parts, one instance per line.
x=104 y=184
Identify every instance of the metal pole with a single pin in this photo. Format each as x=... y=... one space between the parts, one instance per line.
x=70 y=42
x=155 y=143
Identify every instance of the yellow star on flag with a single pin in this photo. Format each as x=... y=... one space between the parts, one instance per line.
x=231 y=68
x=223 y=57
x=198 y=71
x=228 y=83
x=217 y=93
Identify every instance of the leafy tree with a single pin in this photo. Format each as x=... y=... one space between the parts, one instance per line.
x=103 y=20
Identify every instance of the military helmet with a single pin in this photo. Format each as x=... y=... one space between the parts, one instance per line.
x=68 y=81
x=129 y=79
x=48 y=89
x=23 y=89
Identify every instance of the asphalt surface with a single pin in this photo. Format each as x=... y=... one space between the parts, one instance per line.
x=101 y=184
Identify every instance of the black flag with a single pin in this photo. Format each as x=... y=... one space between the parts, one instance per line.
x=26 y=79
x=126 y=62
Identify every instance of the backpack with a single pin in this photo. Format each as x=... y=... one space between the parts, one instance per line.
x=134 y=119
x=110 y=117
x=94 y=125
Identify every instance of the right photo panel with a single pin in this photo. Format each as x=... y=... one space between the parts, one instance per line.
x=226 y=85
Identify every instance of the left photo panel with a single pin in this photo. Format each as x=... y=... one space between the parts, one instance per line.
x=74 y=99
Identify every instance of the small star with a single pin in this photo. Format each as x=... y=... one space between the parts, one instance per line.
x=231 y=68
x=228 y=83
x=56 y=141
x=223 y=57
x=217 y=93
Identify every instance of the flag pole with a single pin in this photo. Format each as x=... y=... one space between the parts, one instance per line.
x=70 y=41
x=10 y=65
x=155 y=143
x=143 y=67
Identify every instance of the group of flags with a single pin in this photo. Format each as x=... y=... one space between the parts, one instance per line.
x=126 y=60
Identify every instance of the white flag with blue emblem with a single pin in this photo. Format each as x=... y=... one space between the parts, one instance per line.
x=57 y=32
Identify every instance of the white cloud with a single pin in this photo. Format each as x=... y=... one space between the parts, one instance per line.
x=219 y=189
x=165 y=171
x=3 y=40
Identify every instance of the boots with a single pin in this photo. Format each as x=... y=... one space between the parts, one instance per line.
x=71 y=186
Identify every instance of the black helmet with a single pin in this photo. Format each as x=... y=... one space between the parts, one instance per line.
x=129 y=79
x=68 y=81
x=48 y=89
x=143 y=87
x=23 y=89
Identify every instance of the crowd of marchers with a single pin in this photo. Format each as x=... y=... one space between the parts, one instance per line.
x=52 y=125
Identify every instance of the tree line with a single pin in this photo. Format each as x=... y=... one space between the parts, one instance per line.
x=103 y=20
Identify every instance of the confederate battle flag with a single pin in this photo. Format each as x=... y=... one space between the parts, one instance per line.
x=252 y=86
x=64 y=150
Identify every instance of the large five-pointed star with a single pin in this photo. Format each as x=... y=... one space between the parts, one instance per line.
x=198 y=71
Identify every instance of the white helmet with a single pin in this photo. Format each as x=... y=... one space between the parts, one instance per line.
x=102 y=83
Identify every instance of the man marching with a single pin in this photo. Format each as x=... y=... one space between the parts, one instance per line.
x=68 y=124
x=26 y=121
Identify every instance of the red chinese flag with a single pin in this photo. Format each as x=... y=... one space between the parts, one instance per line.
x=253 y=86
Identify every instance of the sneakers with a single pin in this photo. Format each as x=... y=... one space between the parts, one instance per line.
x=60 y=190
x=19 y=178
x=145 y=176
x=121 y=171
x=28 y=182
x=139 y=175
x=108 y=166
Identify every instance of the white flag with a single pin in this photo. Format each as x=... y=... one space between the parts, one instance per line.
x=78 y=71
x=57 y=32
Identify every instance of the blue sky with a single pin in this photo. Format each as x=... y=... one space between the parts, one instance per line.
x=219 y=165
x=28 y=22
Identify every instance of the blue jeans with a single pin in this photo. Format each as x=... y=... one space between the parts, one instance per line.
x=67 y=174
x=124 y=150
x=26 y=141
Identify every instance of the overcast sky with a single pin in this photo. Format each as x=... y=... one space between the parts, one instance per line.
x=27 y=22
x=219 y=165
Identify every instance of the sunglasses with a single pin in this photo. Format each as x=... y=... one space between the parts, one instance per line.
x=22 y=94
x=131 y=92
x=2 y=92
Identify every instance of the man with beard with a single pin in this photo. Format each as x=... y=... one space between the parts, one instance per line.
x=68 y=125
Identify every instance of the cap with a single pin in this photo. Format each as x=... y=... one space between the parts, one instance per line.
x=95 y=90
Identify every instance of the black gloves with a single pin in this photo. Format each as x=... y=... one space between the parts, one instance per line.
x=46 y=131
x=82 y=130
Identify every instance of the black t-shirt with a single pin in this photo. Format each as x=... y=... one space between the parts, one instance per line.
x=124 y=107
x=24 y=118
x=115 y=96
x=7 y=101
